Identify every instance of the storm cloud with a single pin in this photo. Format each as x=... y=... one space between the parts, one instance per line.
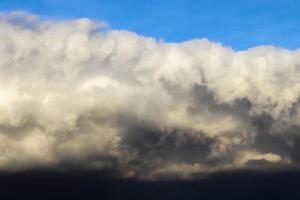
x=76 y=94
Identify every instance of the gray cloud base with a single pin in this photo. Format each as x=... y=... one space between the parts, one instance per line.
x=73 y=96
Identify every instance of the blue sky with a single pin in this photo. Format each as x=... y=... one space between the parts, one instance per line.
x=240 y=24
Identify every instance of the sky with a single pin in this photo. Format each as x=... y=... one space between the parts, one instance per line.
x=123 y=98
x=234 y=23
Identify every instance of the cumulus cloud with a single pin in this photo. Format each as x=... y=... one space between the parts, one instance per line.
x=75 y=95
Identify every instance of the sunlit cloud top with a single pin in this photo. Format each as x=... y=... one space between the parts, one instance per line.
x=235 y=23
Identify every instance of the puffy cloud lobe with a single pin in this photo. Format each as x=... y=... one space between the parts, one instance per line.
x=75 y=95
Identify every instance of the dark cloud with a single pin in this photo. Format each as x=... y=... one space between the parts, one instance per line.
x=96 y=184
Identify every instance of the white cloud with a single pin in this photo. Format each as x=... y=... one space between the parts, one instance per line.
x=71 y=92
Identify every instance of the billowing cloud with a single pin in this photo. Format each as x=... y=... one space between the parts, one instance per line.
x=74 y=94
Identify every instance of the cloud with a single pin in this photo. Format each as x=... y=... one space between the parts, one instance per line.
x=74 y=94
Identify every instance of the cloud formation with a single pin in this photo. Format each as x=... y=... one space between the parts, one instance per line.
x=74 y=94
